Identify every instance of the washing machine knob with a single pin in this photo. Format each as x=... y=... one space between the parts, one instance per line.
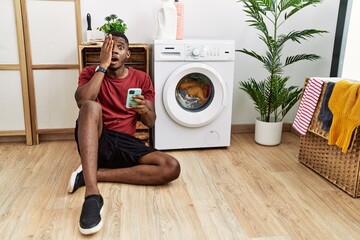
x=195 y=52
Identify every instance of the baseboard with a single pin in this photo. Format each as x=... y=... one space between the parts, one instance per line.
x=249 y=128
x=44 y=135
x=292 y=130
x=11 y=139
x=56 y=136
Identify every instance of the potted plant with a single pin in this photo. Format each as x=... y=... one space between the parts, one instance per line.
x=113 y=23
x=272 y=97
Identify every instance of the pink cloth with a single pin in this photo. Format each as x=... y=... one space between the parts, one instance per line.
x=307 y=105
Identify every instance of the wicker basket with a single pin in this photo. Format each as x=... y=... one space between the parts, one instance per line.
x=328 y=160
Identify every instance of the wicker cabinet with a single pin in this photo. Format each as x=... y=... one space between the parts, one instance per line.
x=341 y=169
x=139 y=59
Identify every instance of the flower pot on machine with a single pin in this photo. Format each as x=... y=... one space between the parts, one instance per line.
x=268 y=133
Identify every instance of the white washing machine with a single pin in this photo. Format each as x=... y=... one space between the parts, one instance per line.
x=193 y=82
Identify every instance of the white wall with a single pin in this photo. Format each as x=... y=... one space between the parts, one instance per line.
x=350 y=68
x=214 y=19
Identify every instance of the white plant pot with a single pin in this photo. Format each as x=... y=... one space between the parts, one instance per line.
x=268 y=133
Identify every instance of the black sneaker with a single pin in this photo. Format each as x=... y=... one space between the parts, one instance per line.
x=90 y=218
x=76 y=180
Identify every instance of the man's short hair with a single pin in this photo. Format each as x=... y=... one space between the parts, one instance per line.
x=122 y=35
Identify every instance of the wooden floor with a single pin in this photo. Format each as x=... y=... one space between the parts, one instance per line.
x=246 y=191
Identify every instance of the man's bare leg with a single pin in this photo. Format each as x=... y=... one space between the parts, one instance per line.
x=154 y=169
x=89 y=130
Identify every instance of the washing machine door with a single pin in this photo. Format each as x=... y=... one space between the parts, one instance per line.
x=194 y=95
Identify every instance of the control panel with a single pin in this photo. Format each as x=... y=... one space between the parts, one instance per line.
x=194 y=50
x=209 y=52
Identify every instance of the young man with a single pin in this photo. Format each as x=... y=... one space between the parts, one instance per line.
x=104 y=129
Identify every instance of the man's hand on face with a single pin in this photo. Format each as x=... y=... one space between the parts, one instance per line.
x=106 y=52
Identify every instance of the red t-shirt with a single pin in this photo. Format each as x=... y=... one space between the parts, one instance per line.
x=112 y=97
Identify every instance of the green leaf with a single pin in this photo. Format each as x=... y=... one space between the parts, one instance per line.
x=296 y=36
x=299 y=57
x=252 y=54
x=297 y=5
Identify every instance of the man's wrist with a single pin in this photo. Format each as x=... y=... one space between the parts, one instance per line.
x=100 y=69
x=145 y=112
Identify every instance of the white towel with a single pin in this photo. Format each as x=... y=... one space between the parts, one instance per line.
x=307 y=105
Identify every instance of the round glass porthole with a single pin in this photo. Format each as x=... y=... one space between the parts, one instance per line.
x=194 y=92
x=194 y=95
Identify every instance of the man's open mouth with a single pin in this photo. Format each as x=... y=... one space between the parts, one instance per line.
x=114 y=60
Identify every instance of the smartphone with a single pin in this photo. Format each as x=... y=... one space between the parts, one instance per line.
x=132 y=92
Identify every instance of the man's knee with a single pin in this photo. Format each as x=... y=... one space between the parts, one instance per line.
x=168 y=167
x=171 y=169
x=90 y=109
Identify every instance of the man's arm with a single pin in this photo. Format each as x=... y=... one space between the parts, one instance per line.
x=90 y=90
x=146 y=110
x=148 y=116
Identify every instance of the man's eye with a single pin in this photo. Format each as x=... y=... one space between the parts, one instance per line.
x=121 y=48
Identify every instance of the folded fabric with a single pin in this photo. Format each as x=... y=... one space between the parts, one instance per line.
x=344 y=104
x=307 y=105
x=325 y=115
